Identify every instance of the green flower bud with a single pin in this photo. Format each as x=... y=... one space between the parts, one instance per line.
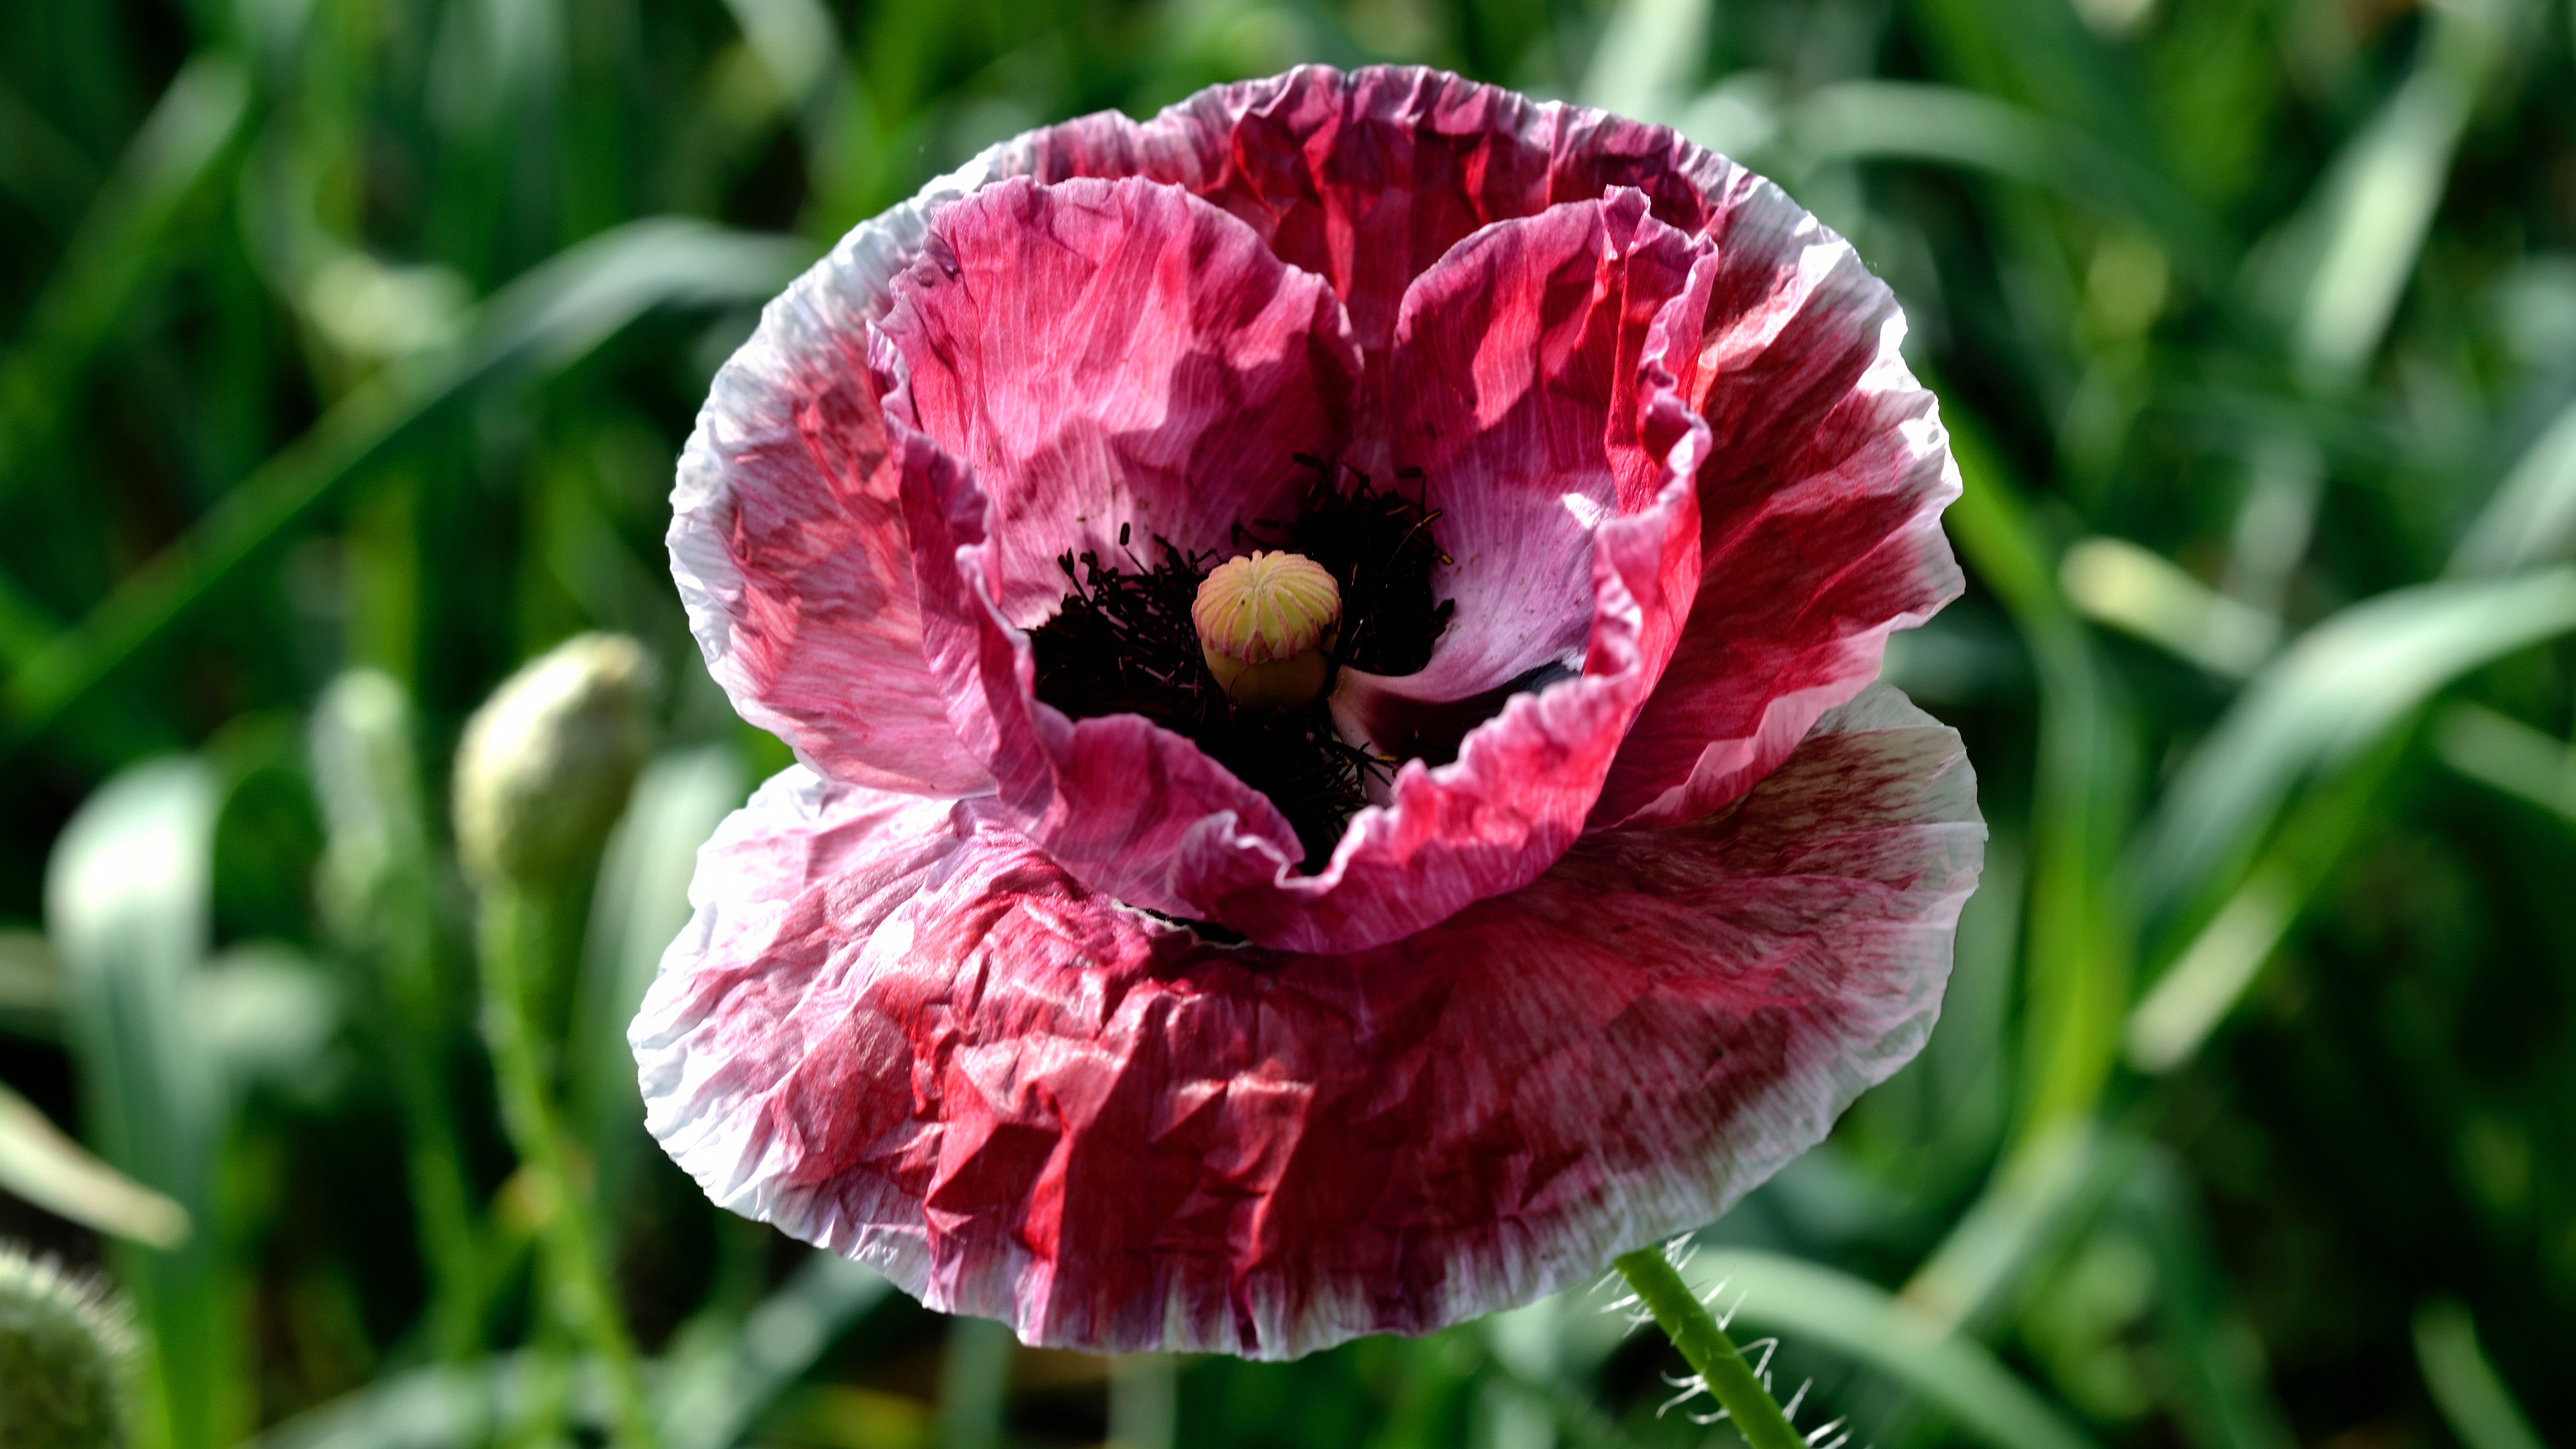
x=546 y=763
x=65 y=1351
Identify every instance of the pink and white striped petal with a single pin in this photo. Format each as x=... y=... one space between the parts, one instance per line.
x=896 y=1029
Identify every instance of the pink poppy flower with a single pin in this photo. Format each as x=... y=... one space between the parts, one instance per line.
x=1066 y=991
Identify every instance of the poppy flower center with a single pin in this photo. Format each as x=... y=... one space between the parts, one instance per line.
x=1264 y=621
x=1239 y=655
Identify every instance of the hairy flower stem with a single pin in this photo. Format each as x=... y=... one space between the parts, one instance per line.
x=1709 y=1352
x=512 y=935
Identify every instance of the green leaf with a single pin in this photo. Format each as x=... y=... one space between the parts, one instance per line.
x=121 y=243
x=641 y=904
x=127 y=903
x=1819 y=1307
x=2471 y=1395
x=2079 y=944
x=1885 y=120
x=41 y=1165
x=2329 y=697
x=543 y=322
x=2338 y=270
x=2531 y=520
x=710 y=1397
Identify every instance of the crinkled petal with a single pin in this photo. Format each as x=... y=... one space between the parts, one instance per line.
x=1551 y=420
x=788 y=543
x=895 y=1029
x=1537 y=386
x=1112 y=356
x=1820 y=509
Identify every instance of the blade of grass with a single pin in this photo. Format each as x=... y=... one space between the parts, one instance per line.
x=2078 y=949
x=2335 y=692
x=40 y=1164
x=2470 y=1393
x=1945 y=125
x=2212 y=974
x=711 y=1396
x=542 y=323
x=378 y=898
x=121 y=243
x=2222 y=1389
x=2349 y=254
x=127 y=902
x=2531 y=519
x=642 y=903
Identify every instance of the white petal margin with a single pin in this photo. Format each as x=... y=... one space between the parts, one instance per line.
x=899 y=1033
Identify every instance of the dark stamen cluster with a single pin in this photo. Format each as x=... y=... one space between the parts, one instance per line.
x=1378 y=548
x=1123 y=643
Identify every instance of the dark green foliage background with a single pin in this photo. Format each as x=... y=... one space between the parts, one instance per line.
x=326 y=342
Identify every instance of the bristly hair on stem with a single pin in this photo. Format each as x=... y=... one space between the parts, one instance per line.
x=1123 y=643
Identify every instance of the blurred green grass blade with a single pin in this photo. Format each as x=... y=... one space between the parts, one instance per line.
x=975 y=1383
x=124 y=239
x=2212 y=974
x=2221 y=1382
x=1813 y=1306
x=127 y=902
x=710 y=1397
x=1649 y=58
x=2078 y=948
x=2505 y=754
x=2531 y=520
x=2338 y=272
x=40 y=166
x=2471 y=1395
x=2331 y=695
x=440 y=1407
x=2039 y=1195
x=31 y=985
x=548 y=319
x=1946 y=125
x=796 y=42
x=2178 y=1013
x=39 y=1164
x=641 y=904
x=2141 y=592
x=376 y=890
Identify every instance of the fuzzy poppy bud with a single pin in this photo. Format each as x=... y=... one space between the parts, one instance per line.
x=1264 y=621
x=546 y=763
x=64 y=1351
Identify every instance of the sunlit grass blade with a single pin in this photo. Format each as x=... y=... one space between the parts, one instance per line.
x=2471 y=1394
x=2040 y=1194
x=709 y=1397
x=2079 y=947
x=41 y=1165
x=2503 y=753
x=2531 y=519
x=2338 y=273
x=127 y=902
x=545 y=321
x=1648 y=58
x=2212 y=974
x=1818 y=1307
x=378 y=893
x=2331 y=695
x=2133 y=589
